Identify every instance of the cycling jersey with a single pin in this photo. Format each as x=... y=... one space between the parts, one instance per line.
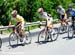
x=48 y=18
x=19 y=19
x=72 y=13
x=61 y=12
x=45 y=15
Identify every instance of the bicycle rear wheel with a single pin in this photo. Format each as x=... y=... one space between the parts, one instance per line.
x=13 y=39
x=63 y=29
x=0 y=43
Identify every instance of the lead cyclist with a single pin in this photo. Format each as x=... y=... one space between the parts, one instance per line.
x=19 y=22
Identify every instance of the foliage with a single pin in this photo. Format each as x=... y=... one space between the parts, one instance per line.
x=28 y=8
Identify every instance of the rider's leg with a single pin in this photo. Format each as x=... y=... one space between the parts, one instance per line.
x=22 y=35
x=65 y=21
x=49 y=28
x=61 y=22
x=22 y=32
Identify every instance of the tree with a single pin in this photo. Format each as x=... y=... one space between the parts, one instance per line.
x=28 y=8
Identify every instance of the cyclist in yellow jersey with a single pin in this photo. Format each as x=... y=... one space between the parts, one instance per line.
x=20 y=22
x=19 y=19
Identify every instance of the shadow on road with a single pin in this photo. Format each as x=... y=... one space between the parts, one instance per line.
x=69 y=37
x=16 y=45
x=43 y=42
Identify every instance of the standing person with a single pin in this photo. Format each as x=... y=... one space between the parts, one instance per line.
x=45 y=16
x=71 y=11
x=20 y=22
x=62 y=15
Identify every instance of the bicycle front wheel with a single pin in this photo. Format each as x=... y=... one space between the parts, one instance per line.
x=41 y=36
x=0 y=43
x=54 y=34
x=13 y=39
x=28 y=38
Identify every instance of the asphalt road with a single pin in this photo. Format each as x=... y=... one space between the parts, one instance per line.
x=62 y=46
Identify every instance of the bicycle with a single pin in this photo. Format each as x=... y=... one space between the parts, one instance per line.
x=66 y=28
x=15 y=37
x=48 y=35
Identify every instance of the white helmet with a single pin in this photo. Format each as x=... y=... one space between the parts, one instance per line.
x=60 y=6
x=40 y=9
x=14 y=12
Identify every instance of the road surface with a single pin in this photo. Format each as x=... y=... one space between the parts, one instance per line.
x=62 y=46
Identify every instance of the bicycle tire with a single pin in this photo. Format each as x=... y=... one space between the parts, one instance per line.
x=28 y=38
x=70 y=32
x=54 y=36
x=63 y=29
x=13 y=39
x=41 y=36
x=73 y=35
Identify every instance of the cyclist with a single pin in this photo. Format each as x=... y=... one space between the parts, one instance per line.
x=20 y=22
x=71 y=11
x=48 y=18
x=45 y=16
x=63 y=16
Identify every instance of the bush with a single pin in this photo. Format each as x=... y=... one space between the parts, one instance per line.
x=28 y=8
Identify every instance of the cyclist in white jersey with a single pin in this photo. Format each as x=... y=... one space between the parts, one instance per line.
x=62 y=15
x=45 y=16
